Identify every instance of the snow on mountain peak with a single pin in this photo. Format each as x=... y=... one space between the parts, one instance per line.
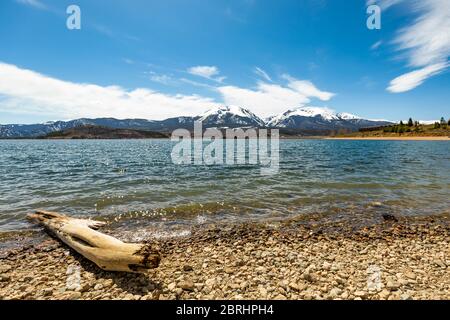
x=238 y=111
x=325 y=113
x=311 y=112
x=347 y=116
x=224 y=112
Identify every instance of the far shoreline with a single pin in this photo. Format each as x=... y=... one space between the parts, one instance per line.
x=436 y=138
x=281 y=138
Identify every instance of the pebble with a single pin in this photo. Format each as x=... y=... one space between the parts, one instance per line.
x=392 y=285
x=187 y=285
x=187 y=268
x=253 y=263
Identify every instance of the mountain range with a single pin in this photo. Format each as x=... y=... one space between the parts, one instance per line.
x=303 y=120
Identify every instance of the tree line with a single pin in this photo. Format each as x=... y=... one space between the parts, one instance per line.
x=415 y=126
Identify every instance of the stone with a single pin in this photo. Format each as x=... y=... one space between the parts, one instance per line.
x=98 y=286
x=172 y=286
x=391 y=285
x=384 y=294
x=439 y=263
x=187 y=285
x=74 y=296
x=187 y=268
x=335 y=292
x=360 y=293
x=309 y=277
x=47 y=292
x=263 y=292
x=228 y=271
x=405 y=296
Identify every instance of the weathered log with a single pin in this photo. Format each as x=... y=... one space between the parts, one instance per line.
x=105 y=251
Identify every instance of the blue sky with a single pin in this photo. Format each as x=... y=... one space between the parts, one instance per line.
x=157 y=59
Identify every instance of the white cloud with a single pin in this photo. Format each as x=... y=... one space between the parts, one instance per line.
x=208 y=72
x=27 y=92
x=160 y=78
x=268 y=99
x=425 y=43
x=376 y=45
x=260 y=72
x=413 y=79
x=33 y=3
x=307 y=88
x=384 y=4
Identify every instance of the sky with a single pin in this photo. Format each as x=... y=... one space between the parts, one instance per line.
x=158 y=59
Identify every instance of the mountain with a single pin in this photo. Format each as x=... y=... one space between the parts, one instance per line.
x=320 y=121
x=303 y=120
x=230 y=116
x=38 y=130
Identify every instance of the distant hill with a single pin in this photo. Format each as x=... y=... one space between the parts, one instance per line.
x=305 y=121
x=97 y=132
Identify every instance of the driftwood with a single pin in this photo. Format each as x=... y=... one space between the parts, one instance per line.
x=105 y=251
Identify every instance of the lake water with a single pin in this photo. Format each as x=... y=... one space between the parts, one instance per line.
x=135 y=183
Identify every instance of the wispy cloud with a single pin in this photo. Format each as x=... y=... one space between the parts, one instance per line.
x=384 y=4
x=160 y=78
x=425 y=43
x=307 y=88
x=34 y=3
x=28 y=92
x=413 y=79
x=197 y=84
x=207 y=72
x=260 y=72
x=376 y=45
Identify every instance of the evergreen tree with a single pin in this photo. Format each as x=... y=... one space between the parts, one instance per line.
x=448 y=122
x=401 y=123
x=442 y=120
x=410 y=122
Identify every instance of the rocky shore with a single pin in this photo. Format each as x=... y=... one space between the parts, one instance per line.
x=404 y=259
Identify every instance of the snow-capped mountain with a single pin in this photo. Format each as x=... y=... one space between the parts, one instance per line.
x=305 y=120
x=319 y=119
x=230 y=116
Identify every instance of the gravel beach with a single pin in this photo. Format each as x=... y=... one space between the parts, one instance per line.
x=393 y=259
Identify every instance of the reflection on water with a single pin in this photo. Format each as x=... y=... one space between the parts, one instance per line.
x=134 y=182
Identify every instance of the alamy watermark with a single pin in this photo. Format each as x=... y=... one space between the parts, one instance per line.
x=374 y=282
x=237 y=147
x=73 y=22
x=73 y=281
x=374 y=20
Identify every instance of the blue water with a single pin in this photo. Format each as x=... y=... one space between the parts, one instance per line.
x=136 y=182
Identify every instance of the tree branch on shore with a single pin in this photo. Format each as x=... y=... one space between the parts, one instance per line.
x=105 y=251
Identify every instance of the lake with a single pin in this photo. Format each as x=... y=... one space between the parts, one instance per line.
x=135 y=184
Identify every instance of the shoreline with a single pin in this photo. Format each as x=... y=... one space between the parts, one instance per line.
x=407 y=259
x=437 y=138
